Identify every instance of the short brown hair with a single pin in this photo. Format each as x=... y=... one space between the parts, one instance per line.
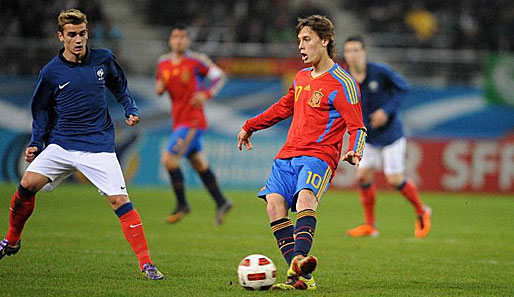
x=323 y=27
x=70 y=16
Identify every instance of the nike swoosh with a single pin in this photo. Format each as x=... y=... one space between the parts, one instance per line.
x=135 y=226
x=62 y=86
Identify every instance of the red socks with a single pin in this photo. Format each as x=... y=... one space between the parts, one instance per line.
x=133 y=230
x=22 y=206
x=368 y=194
x=410 y=191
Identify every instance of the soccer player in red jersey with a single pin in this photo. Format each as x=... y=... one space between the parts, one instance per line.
x=182 y=73
x=324 y=102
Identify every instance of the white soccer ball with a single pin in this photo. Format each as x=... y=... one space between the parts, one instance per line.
x=256 y=272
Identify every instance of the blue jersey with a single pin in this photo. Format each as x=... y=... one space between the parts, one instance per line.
x=69 y=104
x=383 y=88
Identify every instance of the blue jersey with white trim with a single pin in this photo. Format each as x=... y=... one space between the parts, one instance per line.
x=69 y=104
x=383 y=88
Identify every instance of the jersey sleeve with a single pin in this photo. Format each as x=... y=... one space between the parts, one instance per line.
x=116 y=82
x=399 y=88
x=159 y=73
x=348 y=104
x=207 y=68
x=41 y=110
x=279 y=111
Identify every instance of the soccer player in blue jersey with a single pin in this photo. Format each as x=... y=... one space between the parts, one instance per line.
x=73 y=131
x=382 y=92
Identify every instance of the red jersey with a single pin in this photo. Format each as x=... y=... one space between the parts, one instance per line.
x=323 y=108
x=183 y=80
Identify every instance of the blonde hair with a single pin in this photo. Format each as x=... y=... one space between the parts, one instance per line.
x=323 y=27
x=70 y=16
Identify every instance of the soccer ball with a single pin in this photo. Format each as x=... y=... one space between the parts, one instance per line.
x=256 y=272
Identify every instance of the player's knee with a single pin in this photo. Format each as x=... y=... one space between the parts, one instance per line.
x=199 y=166
x=198 y=162
x=365 y=176
x=118 y=200
x=169 y=162
x=33 y=181
x=276 y=210
x=395 y=180
x=306 y=200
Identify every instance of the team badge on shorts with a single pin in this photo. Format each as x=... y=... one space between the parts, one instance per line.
x=315 y=100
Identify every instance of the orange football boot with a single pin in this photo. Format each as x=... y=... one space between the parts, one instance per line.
x=363 y=230
x=177 y=214
x=423 y=223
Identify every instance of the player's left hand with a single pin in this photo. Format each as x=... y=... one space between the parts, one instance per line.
x=199 y=98
x=378 y=118
x=132 y=120
x=352 y=158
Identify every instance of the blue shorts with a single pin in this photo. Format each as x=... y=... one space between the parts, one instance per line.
x=289 y=176
x=185 y=141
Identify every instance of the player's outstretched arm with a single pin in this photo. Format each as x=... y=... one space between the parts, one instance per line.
x=132 y=120
x=243 y=138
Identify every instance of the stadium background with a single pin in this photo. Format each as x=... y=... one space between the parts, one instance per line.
x=458 y=56
x=459 y=118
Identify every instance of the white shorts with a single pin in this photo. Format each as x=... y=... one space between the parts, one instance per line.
x=392 y=155
x=102 y=169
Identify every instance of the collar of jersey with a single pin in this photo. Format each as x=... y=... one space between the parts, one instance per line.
x=73 y=64
x=328 y=71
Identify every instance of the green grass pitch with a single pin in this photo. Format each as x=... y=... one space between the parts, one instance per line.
x=73 y=246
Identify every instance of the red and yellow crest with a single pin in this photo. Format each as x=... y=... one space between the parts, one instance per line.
x=186 y=75
x=315 y=100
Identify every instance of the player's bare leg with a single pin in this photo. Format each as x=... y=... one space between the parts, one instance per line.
x=368 y=197
x=200 y=165
x=22 y=206
x=172 y=163
x=410 y=192
x=282 y=229
x=134 y=233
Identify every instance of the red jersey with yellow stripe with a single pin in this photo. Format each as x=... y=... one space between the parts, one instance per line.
x=323 y=108
x=182 y=81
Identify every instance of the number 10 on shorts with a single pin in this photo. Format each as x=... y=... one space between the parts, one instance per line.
x=314 y=179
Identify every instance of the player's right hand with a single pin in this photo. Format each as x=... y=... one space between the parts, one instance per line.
x=30 y=153
x=244 y=138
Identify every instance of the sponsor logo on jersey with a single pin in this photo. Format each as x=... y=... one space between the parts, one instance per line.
x=63 y=85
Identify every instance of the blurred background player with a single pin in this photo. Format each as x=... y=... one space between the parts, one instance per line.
x=72 y=130
x=324 y=102
x=182 y=74
x=382 y=92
